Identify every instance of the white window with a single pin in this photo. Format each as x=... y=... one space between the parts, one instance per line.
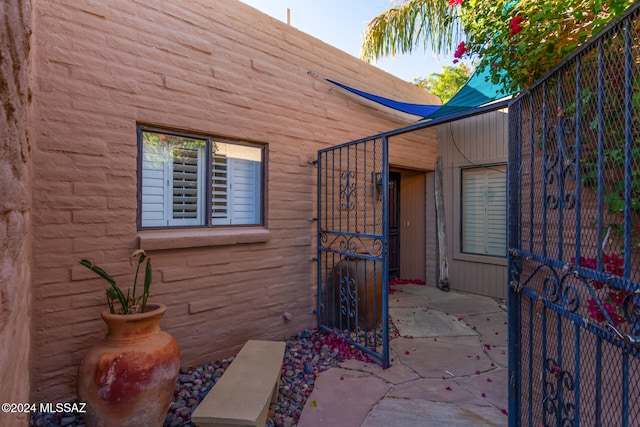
x=484 y=211
x=198 y=181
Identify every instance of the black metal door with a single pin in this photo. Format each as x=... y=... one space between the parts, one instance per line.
x=353 y=244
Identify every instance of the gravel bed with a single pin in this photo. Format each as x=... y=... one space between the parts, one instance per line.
x=306 y=355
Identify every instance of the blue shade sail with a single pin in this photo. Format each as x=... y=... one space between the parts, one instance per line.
x=478 y=90
x=405 y=107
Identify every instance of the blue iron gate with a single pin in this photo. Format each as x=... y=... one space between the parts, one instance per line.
x=353 y=230
x=574 y=225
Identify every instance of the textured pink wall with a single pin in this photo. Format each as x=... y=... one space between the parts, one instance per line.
x=15 y=206
x=219 y=68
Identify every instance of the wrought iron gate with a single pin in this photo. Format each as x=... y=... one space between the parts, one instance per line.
x=574 y=226
x=353 y=230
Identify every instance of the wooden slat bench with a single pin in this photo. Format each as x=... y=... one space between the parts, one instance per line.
x=242 y=396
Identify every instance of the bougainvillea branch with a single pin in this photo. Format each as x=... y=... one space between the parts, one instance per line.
x=519 y=40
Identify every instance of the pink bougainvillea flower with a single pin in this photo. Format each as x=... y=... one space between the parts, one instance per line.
x=460 y=50
x=455 y=2
x=594 y=311
x=484 y=395
x=504 y=411
x=617 y=297
x=448 y=388
x=455 y=61
x=489 y=380
x=514 y=25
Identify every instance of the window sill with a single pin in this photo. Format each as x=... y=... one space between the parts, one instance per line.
x=154 y=240
x=482 y=259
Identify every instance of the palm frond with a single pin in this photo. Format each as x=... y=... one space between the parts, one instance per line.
x=401 y=28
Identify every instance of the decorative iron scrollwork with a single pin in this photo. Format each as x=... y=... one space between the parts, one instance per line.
x=560 y=167
x=556 y=384
x=353 y=243
x=348 y=191
x=348 y=297
x=515 y=271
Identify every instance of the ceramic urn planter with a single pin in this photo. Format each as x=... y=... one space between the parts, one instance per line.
x=129 y=378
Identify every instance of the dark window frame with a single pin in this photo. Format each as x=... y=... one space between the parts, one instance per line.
x=207 y=199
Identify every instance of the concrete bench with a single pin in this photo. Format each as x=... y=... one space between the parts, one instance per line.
x=243 y=394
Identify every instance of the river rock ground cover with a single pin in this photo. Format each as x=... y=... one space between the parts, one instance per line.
x=307 y=354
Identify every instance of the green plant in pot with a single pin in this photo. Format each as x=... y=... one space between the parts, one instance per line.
x=128 y=378
x=129 y=304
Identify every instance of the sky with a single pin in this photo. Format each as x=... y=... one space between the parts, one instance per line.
x=341 y=23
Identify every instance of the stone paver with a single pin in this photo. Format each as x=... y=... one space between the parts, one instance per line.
x=434 y=357
x=395 y=374
x=417 y=322
x=342 y=397
x=448 y=368
x=491 y=386
x=419 y=413
x=438 y=390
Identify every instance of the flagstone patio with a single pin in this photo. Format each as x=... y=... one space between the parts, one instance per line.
x=448 y=367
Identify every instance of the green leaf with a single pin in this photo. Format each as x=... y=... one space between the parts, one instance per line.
x=98 y=271
x=147 y=284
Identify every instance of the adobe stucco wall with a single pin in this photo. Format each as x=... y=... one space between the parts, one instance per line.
x=219 y=68
x=15 y=206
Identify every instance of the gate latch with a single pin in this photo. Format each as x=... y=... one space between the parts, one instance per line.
x=629 y=339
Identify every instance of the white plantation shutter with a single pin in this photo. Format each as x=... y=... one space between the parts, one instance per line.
x=186 y=183
x=154 y=178
x=484 y=211
x=245 y=191
x=220 y=190
x=172 y=176
x=235 y=191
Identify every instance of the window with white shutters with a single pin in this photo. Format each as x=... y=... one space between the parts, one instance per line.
x=220 y=190
x=484 y=211
x=189 y=181
x=186 y=184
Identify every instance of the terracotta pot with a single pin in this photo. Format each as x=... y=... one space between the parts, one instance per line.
x=128 y=379
x=353 y=278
